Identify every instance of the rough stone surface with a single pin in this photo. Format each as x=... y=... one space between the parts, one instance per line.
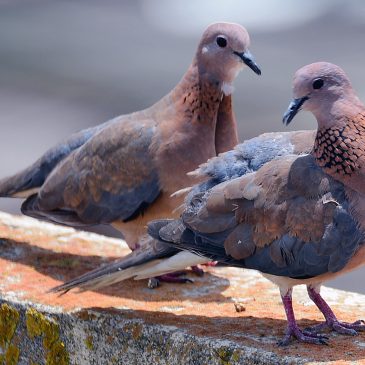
x=131 y=324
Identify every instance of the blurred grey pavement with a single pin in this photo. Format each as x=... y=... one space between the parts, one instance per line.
x=68 y=65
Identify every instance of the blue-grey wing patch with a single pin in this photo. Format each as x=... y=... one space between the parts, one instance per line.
x=250 y=155
x=297 y=224
x=35 y=175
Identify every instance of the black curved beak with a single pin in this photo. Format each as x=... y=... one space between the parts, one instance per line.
x=249 y=60
x=293 y=109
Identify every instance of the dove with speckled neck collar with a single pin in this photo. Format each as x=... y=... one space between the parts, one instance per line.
x=297 y=219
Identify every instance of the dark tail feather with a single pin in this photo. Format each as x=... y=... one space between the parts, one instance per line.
x=35 y=175
x=125 y=268
x=154 y=227
x=176 y=234
x=16 y=183
x=30 y=207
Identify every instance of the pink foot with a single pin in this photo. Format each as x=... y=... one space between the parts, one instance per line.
x=302 y=336
x=168 y=278
x=332 y=322
x=294 y=331
x=197 y=270
x=211 y=263
x=174 y=278
x=344 y=328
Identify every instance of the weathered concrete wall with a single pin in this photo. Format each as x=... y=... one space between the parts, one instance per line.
x=91 y=337
x=130 y=324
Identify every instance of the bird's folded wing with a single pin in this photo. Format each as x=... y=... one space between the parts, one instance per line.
x=112 y=176
x=250 y=156
x=289 y=218
x=32 y=177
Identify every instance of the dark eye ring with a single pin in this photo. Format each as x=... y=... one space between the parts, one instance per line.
x=221 y=41
x=317 y=84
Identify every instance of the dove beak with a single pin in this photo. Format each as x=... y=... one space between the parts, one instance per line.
x=293 y=109
x=249 y=60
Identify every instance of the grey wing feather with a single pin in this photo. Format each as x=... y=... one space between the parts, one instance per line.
x=288 y=255
x=35 y=175
x=249 y=156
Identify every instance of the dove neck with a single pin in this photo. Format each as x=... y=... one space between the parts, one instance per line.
x=188 y=128
x=334 y=110
x=339 y=150
x=200 y=96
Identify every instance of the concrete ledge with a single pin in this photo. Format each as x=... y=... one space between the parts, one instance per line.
x=130 y=324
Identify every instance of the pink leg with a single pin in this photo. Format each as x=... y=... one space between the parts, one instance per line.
x=293 y=330
x=211 y=263
x=173 y=277
x=331 y=320
x=197 y=270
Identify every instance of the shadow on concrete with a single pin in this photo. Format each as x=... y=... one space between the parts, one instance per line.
x=65 y=266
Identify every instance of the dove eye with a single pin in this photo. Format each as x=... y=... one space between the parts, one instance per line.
x=317 y=84
x=221 y=41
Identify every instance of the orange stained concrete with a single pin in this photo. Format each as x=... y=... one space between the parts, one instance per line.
x=34 y=257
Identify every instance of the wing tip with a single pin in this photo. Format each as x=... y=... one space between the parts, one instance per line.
x=153 y=227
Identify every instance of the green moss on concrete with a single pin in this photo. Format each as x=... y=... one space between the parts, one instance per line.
x=12 y=355
x=34 y=322
x=58 y=355
x=226 y=355
x=235 y=356
x=39 y=325
x=9 y=318
x=51 y=332
x=89 y=342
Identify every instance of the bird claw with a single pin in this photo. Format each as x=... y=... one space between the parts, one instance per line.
x=344 y=328
x=168 y=278
x=197 y=270
x=153 y=283
x=303 y=336
x=314 y=334
x=211 y=264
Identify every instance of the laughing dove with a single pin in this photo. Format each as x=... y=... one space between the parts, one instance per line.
x=297 y=219
x=123 y=172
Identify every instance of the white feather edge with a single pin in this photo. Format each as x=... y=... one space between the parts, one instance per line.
x=178 y=262
x=181 y=192
x=25 y=193
x=194 y=173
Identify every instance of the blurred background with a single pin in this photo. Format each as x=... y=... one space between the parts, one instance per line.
x=68 y=65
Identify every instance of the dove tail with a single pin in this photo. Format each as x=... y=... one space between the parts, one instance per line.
x=153 y=259
x=176 y=234
x=18 y=186
x=127 y=267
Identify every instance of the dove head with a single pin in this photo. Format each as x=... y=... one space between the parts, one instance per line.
x=223 y=52
x=325 y=90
